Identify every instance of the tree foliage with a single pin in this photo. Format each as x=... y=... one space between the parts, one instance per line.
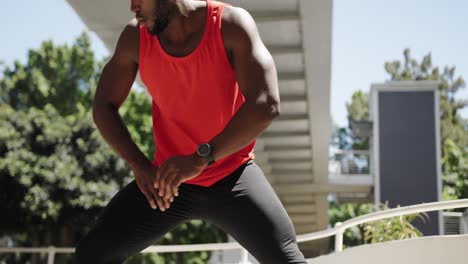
x=136 y=114
x=58 y=75
x=56 y=171
x=454 y=141
x=358 y=108
x=53 y=168
x=353 y=236
x=393 y=228
x=454 y=128
x=455 y=171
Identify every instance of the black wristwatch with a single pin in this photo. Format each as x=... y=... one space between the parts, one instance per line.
x=205 y=151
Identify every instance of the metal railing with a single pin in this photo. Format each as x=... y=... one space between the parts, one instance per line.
x=349 y=162
x=339 y=228
x=336 y=231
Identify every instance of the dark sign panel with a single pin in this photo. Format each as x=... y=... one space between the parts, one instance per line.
x=408 y=170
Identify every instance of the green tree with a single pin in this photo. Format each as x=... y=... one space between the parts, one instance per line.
x=353 y=236
x=454 y=141
x=358 y=108
x=56 y=174
x=341 y=137
x=358 y=111
x=455 y=171
x=57 y=75
x=136 y=114
x=453 y=126
x=393 y=228
x=56 y=171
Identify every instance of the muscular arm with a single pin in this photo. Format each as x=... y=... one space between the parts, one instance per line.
x=257 y=78
x=113 y=88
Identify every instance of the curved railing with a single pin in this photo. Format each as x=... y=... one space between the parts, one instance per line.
x=337 y=231
x=339 y=228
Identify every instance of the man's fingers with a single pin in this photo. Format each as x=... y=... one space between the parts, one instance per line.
x=154 y=196
x=162 y=180
x=165 y=203
x=174 y=185
x=149 y=197
x=175 y=189
x=158 y=199
x=163 y=206
x=170 y=181
x=158 y=176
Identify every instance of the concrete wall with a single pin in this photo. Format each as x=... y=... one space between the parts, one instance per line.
x=425 y=250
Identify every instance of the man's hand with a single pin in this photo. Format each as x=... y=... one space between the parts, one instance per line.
x=176 y=170
x=144 y=176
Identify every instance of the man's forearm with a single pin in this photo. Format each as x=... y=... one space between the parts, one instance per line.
x=113 y=130
x=246 y=125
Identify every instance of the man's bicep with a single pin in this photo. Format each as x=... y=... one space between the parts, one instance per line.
x=119 y=73
x=253 y=64
x=261 y=80
x=115 y=82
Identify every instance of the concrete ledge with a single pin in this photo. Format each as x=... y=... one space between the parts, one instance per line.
x=427 y=250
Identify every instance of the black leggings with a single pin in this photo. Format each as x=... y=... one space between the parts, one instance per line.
x=243 y=204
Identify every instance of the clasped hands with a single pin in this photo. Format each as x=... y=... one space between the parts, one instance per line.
x=161 y=185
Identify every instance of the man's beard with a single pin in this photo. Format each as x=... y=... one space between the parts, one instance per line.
x=162 y=19
x=159 y=26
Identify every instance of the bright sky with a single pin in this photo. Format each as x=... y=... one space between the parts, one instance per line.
x=366 y=34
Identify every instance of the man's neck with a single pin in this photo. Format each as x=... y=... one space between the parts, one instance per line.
x=185 y=19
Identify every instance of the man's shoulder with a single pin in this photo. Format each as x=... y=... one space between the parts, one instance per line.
x=129 y=40
x=235 y=16
x=237 y=25
x=132 y=30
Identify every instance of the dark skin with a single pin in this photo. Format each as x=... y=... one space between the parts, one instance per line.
x=254 y=69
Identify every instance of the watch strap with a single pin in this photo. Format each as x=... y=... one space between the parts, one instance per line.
x=209 y=156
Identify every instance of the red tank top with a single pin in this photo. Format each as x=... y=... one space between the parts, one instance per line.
x=193 y=97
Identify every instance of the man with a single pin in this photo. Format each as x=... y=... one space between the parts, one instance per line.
x=214 y=89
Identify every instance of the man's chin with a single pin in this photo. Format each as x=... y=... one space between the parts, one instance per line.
x=152 y=31
x=158 y=28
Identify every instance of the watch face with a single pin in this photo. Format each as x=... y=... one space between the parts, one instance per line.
x=204 y=149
